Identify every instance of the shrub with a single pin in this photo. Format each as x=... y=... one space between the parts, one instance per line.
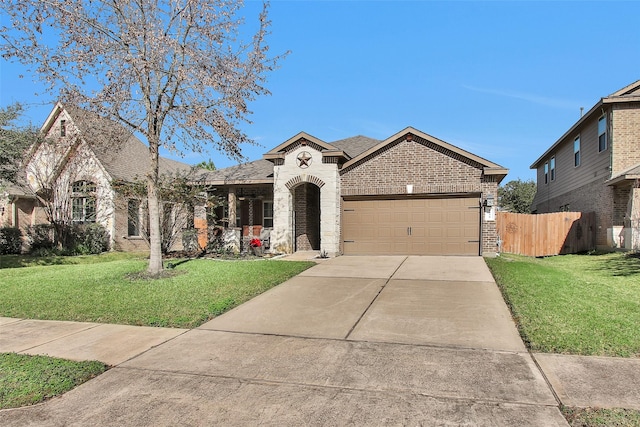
x=40 y=238
x=89 y=239
x=77 y=239
x=190 y=239
x=10 y=240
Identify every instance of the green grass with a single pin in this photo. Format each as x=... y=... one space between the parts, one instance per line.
x=591 y=417
x=17 y=261
x=104 y=289
x=574 y=304
x=27 y=380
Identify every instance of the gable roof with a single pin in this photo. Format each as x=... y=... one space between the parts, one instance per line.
x=355 y=145
x=408 y=133
x=353 y=150
x=256 y=172
x=121 y=153
x=629 y=93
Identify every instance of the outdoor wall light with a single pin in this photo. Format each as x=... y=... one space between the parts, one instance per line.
x=409 y=188
x=488 y=201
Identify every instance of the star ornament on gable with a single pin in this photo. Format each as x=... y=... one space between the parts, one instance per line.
x=304 y=160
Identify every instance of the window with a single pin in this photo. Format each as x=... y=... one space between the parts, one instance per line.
x=576 y=151
x=267 y=209
x=63 y=128
x=238 y=213
x=552 y=168
x=546 y=172
x=83 y=201
x=133 y=217
x=602 y=134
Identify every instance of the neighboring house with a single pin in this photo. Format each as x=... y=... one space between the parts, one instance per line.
x=19 y=207
x=74 y=165
x=595 y=166
x=410 y=194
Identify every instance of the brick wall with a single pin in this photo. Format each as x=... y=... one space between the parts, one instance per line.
x=427 y=167
x=625 y=138
x=307 y=222
x=489 y=236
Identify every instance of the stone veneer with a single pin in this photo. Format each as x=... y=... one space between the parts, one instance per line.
x=287 y=176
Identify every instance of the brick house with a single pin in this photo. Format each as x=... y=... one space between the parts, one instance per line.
x=408 y=194
x=76 y=162
x=595 y=166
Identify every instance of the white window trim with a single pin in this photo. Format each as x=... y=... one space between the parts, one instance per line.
x=263 y=213
x=605 y=133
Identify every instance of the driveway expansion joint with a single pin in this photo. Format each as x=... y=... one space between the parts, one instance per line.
x=375 y=298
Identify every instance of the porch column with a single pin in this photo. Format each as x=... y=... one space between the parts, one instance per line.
x=634 y=216
x=231 y=200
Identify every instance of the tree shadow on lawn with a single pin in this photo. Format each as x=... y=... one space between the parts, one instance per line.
x=19 y=261
x=625 y=265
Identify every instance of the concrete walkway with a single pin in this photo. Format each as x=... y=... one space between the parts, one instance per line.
x=353 y=340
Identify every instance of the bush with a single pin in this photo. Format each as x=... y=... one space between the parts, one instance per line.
x=88 y=239
x=10 y=241
x=40 y=238
x=77 y=239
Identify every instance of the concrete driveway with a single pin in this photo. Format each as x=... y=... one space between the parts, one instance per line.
x=351 y=341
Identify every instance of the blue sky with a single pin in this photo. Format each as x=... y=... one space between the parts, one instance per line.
x=503 y=80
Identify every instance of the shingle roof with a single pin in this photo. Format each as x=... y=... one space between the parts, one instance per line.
x=355 y=145
x=121 y=153
x=259 y=171
x=16 y=189
x=631 y=173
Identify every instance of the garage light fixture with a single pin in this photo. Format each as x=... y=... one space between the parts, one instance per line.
x=409 y=188
x=488 y=201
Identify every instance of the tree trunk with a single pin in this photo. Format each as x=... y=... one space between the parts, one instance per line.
x=155 y=237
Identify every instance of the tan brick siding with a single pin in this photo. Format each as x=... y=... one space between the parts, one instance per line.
x=411 y=162
x=626 y=137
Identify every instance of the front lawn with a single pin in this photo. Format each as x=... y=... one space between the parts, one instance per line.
x=105 y=289
x=575 y=304
x=27 y=380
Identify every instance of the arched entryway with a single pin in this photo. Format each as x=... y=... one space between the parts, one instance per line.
x=306 y=217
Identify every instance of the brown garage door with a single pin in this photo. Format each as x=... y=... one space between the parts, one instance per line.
x=443 y=226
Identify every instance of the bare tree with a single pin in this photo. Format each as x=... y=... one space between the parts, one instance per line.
x=176 y=72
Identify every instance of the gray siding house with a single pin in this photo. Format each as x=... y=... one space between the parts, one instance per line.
x=595 y=166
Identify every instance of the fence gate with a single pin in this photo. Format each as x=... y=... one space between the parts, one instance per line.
x=547 y=234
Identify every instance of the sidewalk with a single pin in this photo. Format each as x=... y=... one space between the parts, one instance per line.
x=110 y=344
x=582 y=381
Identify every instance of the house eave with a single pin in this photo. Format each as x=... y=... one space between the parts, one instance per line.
x=239 y=182
x=408 y=133
x=571 y=130
x=609 y=100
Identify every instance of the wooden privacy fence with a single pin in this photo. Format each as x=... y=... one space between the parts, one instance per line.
x=546 y=234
